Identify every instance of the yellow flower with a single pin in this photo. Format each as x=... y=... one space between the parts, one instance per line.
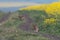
x=49 y=21
x=51 y=8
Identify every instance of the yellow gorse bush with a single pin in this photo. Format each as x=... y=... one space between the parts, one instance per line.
x=49 y=21
x=35 y=7
x=51 y=8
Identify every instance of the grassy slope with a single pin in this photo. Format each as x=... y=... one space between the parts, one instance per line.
x=46 y=23
x=10 y=30
x=53 y=12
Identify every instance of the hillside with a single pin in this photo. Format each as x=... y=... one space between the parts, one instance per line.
x=11 y=29
x=16 y=29
x=46 y=17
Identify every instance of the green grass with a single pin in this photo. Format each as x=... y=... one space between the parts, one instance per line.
x=10 y=30
x=14 y=33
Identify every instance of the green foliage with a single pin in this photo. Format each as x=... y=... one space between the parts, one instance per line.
x=11 y=31
x=40 y=16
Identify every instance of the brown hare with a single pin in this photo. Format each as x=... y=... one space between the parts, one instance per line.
x=35 y=28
